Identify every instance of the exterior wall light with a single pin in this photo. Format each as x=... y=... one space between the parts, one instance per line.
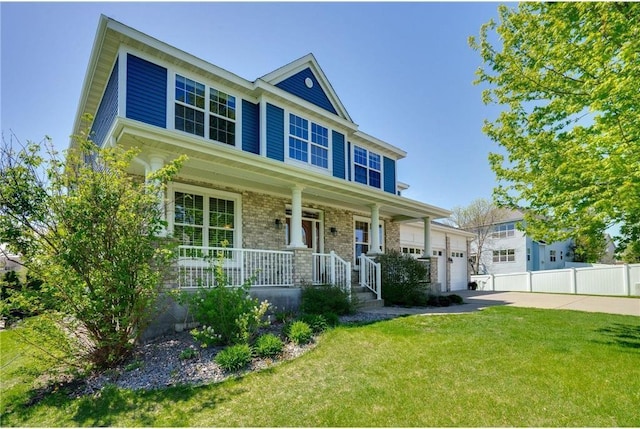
x=333 y=230
x=278 y=224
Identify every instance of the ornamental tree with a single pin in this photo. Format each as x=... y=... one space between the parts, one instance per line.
x=479 y=217
x=567 y=76
x=92 y=233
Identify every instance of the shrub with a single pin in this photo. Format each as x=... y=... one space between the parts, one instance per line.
x=317 y=322
x=325 y=299
x=188 y=353
x=444 y=301
x=268 y=345
x=234 y=357
x=300 y=332
x=456 y=299
x=228 y=315
x=403 y=279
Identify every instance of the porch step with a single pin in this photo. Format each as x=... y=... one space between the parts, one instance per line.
x=365 y=298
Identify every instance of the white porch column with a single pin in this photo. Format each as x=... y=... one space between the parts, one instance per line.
x=375 y=230
x=427 y=236
x=296 y=218
x=156 y=163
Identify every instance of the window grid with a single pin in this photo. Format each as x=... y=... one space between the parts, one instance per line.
x=367 y=167
x=503 y=231
x=300 y=145
x=552 y=256
x=199 y=221
x=505 y=255
x=194 y=116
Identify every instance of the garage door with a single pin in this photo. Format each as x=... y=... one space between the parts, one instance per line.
x=458 y=270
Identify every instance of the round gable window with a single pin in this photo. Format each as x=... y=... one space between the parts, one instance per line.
x=308 y=82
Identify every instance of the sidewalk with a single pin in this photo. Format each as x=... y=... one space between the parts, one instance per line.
x=477 y=300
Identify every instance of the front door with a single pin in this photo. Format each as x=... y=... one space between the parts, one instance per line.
x=310 y=233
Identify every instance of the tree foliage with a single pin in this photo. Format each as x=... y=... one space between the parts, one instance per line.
x=479 y=217
x=92 y=233
x=568 y=77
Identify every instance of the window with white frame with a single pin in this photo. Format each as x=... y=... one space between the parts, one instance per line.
x=308 y=141
x=367 y=167
x=215 y=120
x=505 y=255
x=503 y=231
x=552 y=255
x=363 y=238
x=204 y=220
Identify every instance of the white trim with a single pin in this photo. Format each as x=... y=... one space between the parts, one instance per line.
x=368 y=221
x=122 y=81
x=308 y=164
x=206 y=193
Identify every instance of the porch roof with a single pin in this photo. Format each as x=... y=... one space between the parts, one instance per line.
x=227 y=166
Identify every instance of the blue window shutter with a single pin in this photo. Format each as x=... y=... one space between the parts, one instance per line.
x=275 y=132
x=250 y=127
x=107 y=110
x=146 y=91
x=389 y=175
x=296 y=85
x=349 y=177
x=338 y=155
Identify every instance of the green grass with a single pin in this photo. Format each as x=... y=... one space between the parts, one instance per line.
x=503 y=366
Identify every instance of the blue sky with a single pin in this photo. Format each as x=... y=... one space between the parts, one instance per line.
x=403 y=71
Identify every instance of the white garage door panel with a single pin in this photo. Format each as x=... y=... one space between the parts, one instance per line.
x=459 y=274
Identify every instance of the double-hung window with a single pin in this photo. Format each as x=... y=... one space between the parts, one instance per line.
x=215 y=120
x=189 y=109
x=367 y=167
x=308 y=141
x=503 y=231
x=506 y=255
x=201 y=220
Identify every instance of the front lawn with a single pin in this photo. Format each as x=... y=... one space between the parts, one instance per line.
x=503 y=366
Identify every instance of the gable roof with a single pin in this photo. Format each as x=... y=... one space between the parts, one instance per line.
x=296 y=72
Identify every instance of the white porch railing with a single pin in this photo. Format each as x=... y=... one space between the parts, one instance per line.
x=370 y=275
x=329 y=268
x=196 y=266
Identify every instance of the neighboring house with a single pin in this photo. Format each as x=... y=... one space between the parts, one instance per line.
x=449 y=247
x=277 y=168
x=509 y=250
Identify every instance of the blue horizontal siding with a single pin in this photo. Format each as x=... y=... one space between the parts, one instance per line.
x=275 y=132
x=146 y=91
x=250 y=127
x=389 y=175
x=338 y=155
x=107 y=110
x=296 y=86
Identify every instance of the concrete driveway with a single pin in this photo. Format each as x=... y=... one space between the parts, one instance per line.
x=477 y=300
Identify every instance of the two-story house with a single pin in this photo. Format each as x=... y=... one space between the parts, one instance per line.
x=509 y=250
x=277 y=169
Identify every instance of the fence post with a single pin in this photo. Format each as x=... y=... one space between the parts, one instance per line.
x=529 y=282
x=626 y=279
x=492 y=278
x=574 y=281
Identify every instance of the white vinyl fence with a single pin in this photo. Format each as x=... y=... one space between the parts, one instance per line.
x=621 y=280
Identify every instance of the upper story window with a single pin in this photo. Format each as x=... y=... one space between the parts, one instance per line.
x=507 y=255
x=367 y=167
x=308 y=141
x=215 y=120
x=504 y=231
x=552 y=255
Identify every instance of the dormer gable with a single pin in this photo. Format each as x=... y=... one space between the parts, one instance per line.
x=305 y=79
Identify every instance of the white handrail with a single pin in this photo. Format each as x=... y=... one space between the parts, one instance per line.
x=329 y=268
x=370 y=275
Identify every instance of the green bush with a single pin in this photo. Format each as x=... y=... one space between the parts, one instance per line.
x=268 y=345
x=317 y=322
x=234 y=357
x=300 y=332
x=325 y=299
x=403 y=279
x=228 y=315
x=188 y=353
x=456 y=299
